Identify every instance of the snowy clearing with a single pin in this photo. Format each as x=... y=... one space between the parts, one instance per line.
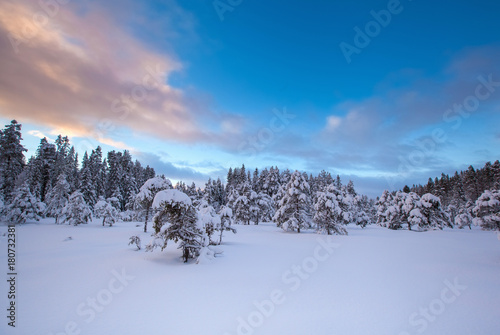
x=373 y=281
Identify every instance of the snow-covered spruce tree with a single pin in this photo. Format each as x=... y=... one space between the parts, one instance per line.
x=328 y=216
x=176 y=220
x=76 y=210
x=57 y=198
x=271 y=183
x=147 y=193
x=261 y=207
x=383 y=203
x=108 y=213
x=361 y=211
x=465 y=216
x=87 y=183
x=24 y=206
x=11 y=157
x=396 y=216
x=428 y=214
x=42 y=169
x=241 y=205
x=294 y=208
x=226 y=215
x=487 y=210
x=208 y=219
x=409 y=202
x=345 y=201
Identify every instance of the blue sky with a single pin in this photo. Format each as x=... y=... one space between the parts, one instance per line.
x=267 y=85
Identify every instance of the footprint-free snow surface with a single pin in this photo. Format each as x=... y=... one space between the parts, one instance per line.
x=88 y=280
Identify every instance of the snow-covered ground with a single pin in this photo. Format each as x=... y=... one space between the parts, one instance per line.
x=374 y=281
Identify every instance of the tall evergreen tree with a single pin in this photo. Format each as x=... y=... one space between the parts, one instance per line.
x=57 y=198
x=24 y=206
x=87 y=182
x=329 y=214
x=294 y=211
x=11 y=157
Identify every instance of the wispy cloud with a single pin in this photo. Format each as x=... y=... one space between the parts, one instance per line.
x=170 y=170
x=39 y=134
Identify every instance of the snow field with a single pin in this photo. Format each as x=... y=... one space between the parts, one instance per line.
x=373 y=281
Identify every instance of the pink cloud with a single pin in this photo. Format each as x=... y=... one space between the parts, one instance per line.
x=82 y=74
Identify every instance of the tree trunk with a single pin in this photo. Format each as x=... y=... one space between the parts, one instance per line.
x=103 y=220
x=146 y=222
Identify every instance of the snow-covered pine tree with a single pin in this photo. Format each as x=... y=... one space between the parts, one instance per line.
x=209 y=192
x=114 y=175
x=128 y=185
x=398 y=212
x=383 y=203
x=328 y=216
x=176 y=220
x=272 y=183
x=323 y=180
x=71 y=162
x=409 y=202
x=261 y=207
x=87 y=182
x=24 y=206
x=294 y=208
x=428 y=214
x=97 y=172
x=471 y=184
x=147 y=193
x=76 y=210
x=256 y=186
x=496 y=175
x=285 y=176
x=361 y=209
x=487 y=210
x=241 y=205
x=350 y=189
x=108 y=213
x=11 y=157
x=208 y=219
x=465 y=217
x=43 y=166
x=62 y=151
x=226 y=218
x=192 y=192
x=57 y=198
